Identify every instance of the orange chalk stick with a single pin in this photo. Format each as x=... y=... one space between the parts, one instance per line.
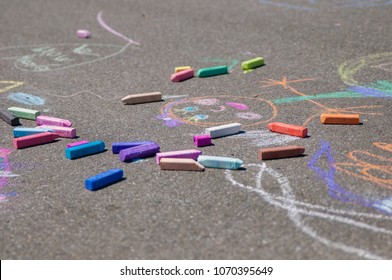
x=339 y=118
x=284 y=128
x=280 y=152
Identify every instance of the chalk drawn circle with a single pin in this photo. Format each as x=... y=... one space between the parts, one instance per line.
x=268 y=111
x=350 y=70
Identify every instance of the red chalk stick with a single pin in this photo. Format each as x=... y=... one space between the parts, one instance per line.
x=284 y=128
x=35 y=139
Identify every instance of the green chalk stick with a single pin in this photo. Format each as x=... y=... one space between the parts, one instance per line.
x=24 y=113
x=213 y=71
x=253 y=63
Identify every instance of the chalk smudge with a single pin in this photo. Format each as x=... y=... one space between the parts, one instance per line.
x=11 y=85
x=5 y=172
x=264 y=138
x=26 y=98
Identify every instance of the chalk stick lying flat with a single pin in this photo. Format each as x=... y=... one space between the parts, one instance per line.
x=252 y=63
x=213 y=71
x=186 y=164
x=284 y=128
x=85 y=150
x=25 y=131
x=104 y=179
x=339 y=118
x=192 y=154
x=62 y=131
x=9 y=118
x=141 y=151
x=45 y=120
x=74 y=144
x=24 y=113
x=202 y=140
x=142 y=98
x=280 y=152
x=181 y=68
x=182 y=75
x=224 y=130
x=118 y=146
x=35 y=139
x=220 y=162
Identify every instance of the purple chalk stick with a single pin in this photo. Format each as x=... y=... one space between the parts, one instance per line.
x=202 y=140
x=141 y=151
x=118 y=146
x=69 y=145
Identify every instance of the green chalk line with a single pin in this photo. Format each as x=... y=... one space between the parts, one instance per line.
x=344 y=94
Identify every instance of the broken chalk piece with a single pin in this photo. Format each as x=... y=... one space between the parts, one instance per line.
x=35 y=139
x=181 y=68
x=220 y=162
x=141 y=151
x=252 y=63
x=212 y=71
x=118 y=146
x=280 y=152
x=283 y=128
x=46 y=120
x=104 y=179
x=339 y=118
x=85 y=150
x=183 y=164
x=9 y=118
x=192 y=154
x=82 y=33
x=182 y=75
x=74 y=144
x=62 y=131
x=142 y=98
x=223 y=130
x=25 y=131
x=202 y=140
x=24 y=113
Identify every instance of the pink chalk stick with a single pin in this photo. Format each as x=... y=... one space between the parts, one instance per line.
x=64 y=132
x=81 y=33
x=182 y=75
x=193 y=154
x=35 y=139
x=45 y=120
x=69 y=145
x=202 y=140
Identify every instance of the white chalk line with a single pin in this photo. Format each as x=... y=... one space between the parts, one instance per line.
x=294 y=213
x=8 y=174
x=264 y=138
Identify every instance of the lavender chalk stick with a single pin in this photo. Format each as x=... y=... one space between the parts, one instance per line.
x=118 y=146
x=141 y=151
x=192 y=154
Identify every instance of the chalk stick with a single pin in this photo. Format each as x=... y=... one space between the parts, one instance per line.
x=181 y=68
x=280 y=152
x=9 y=118
x=82 y=33
x=213 y=71
x=141 y=151
x=142 y=98
x=62 y=131
x=46 y=120
x=104 y=179
x=192 y=154
x=182 y=75
x=25 y=131
x=24 y=113
x=220 y=162
x=35 y=139
x=118 y=146
x=223 y=130
x=85 y=150
x=74 y=144
x=183 y=164
x=284 y=128
x=252 y=63
x=202 y=140
x=339 y=118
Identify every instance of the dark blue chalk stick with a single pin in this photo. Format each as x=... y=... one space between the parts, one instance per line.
x=118 y=146
x=9 y=118
x=141 y=151
x=104 y=179
x=85 y=150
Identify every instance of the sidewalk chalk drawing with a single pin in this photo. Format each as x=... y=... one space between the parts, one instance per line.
x=297 y=210
x=8 y=85
x=264 y=138
x=5 y=173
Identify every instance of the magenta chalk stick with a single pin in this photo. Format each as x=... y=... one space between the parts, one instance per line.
x=182 y=75
x=45 y=120
x=82 y=33
x=35 y=139
x=202 y=140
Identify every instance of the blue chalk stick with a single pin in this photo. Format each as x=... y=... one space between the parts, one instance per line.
x=118 y=146
x=25 y=131
x=104 y=179
x=85 y=150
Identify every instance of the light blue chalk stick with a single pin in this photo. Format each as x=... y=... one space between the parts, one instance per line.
x=25 y=131
x=220 y=162
x=85 y=150
x=104 y=179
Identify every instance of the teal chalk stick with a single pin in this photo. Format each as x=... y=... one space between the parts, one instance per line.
x=220 y=162
x=85 y=150
x=213 y=71
x=25 y=131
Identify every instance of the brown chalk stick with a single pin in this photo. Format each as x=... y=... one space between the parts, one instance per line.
x=339 y=118
x=280 y=152
x=142 y=98
x=186 y=164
